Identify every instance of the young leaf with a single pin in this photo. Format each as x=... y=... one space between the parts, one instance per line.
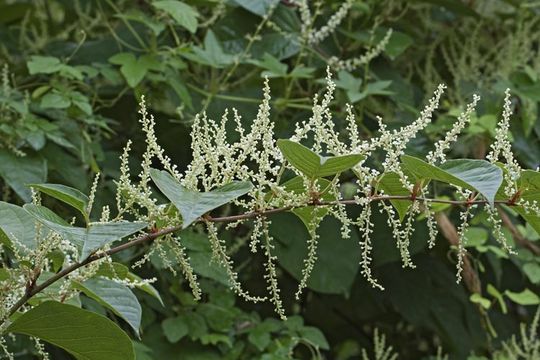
x=117 y=297
x=307 y=213
x=84 y=334
x=193 y=204
x=88 y=239
x=18 y=226
x=313 y=165
x=67 y=195
x=477 y=175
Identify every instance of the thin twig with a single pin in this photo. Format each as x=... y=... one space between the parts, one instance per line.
x=34 y=289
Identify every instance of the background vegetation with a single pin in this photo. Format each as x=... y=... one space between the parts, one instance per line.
x=74 y=71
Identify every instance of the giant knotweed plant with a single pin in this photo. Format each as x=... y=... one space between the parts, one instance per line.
x=258 y=175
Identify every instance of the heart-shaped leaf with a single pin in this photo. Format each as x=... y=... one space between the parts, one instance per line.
x=194 y=204
x=477 y=175
x=313 y=165
x=84 y=334
x=88 y=239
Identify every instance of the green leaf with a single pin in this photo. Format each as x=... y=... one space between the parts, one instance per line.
x=174 y=328
x=88 y=239
x=193 y=204
x=84 y=334
x=315 y=337
x=43 y=65
x=183 y=14
x=18 y=171
x=391 y=184
x=120 y=271
x=212 y=54
x=258 y=7
x=532 y=270
x=18 y=226
x=307 y=213
x=67 y=195
x=397 y=44
x=482 y=301
x=132 y=69
x=313 y=165
x=492 y=290
x=55 y=100
x=526 y=297
x=477 y=175
x=114 y=296
x=274 y=67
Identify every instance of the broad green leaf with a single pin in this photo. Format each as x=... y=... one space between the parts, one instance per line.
x=526 y=297
x=67 y=195
x=117 y=297
x=259 y=7
x=50 y=65
x=391 y=184
x=55 y=100
x=132 y=68
x=212 y=54
x=88 y=239
x=183 y=14
x=43 y=65
x=313 y=165
x=174 y=328
x=274 y=68
x=314 y=336
x=477 y=175
x=19 y=171
x=194 y=204
x=84 y=334
x=18 y=226
x=120 y=271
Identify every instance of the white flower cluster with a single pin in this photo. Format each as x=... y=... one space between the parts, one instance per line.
x=356 y=62
x=451 y=136
x=255 y=157
x=503 y=147
x=316 y=36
